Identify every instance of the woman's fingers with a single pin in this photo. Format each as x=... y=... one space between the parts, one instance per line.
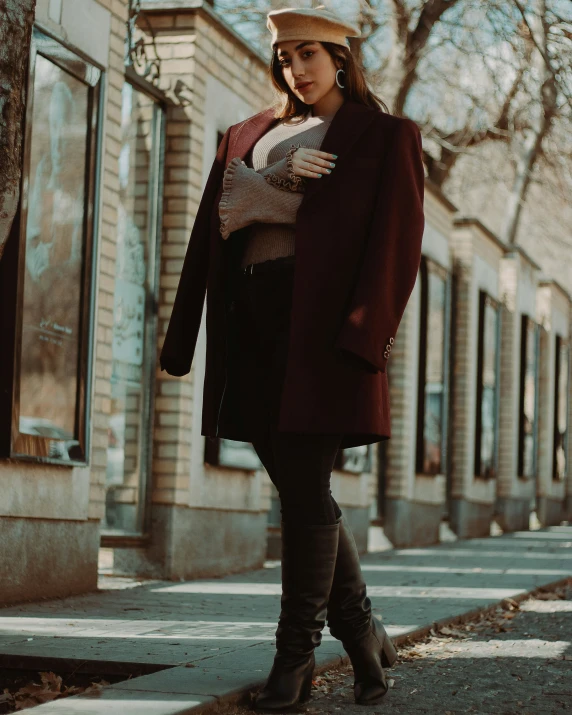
x=312 y=163
x=314 y=172
x=319 y=154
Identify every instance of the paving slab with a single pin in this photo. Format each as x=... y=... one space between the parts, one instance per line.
x=214 y=638
x=112 y=701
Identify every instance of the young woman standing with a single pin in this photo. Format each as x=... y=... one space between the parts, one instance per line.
x=307 y=243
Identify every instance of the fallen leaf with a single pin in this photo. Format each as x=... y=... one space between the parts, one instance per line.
x=51 y=680
x=548 y=597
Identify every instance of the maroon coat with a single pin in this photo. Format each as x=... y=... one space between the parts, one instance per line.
x=358 y=248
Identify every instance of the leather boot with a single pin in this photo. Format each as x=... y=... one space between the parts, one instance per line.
x=308 y=562
x=351 y=621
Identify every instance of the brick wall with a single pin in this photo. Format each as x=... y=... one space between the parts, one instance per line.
x=545 y=411
x=476 y=259
x=193 y=46
x=510 y=364
x=402 y=372
x=519 y=297
x=569 y=460
x=107 y=252
x=462 y=451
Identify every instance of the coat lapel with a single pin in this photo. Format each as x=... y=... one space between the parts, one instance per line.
x=348 y=124
x=245 y=135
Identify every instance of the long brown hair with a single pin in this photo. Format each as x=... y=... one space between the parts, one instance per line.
x=288 y=105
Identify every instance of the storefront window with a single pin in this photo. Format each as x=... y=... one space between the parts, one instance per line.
x=231 y=453
x=238 y=454
x=354 y=459
x=54 y=306
x=486 y=451
x=134 y=313
x=561 y=397
x=433 y=345
x=528 y=398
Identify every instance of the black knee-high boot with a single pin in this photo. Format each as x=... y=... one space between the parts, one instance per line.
x=308 y=562
x=351 y=621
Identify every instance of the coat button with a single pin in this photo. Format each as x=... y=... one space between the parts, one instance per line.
x=391 y=341
x=386 y=355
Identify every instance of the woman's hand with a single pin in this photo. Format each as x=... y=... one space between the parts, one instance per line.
x=312 y=163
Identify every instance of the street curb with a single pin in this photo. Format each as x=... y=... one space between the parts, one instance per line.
x=243 y=697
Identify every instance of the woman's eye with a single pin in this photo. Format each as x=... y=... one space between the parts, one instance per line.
x=308 y=52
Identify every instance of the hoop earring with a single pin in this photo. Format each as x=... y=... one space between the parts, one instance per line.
x=337 y=80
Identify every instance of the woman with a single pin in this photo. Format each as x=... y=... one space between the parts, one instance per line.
x=307 y=242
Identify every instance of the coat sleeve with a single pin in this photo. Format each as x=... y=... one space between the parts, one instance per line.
x=392 y=254
x=181 y=338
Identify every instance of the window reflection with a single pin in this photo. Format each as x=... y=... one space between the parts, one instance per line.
x=433 y=344
x=528 y=398
x=233 y=453
x=53 y=285
x=128 y=428
x=355 y=459
x=435 y=376
x=560 y=462
x=487 y=392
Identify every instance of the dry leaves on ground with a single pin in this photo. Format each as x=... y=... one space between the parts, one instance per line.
x=50 y=688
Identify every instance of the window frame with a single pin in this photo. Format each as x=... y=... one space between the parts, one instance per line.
x=155 y=196
x=486 y=300
x=344 y=456
x=526 y=322
x=13 y=444
x=560 y=344
x=426 y=268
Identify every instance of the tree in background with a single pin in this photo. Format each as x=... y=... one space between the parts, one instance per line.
x=490 y=84
x=16 y=21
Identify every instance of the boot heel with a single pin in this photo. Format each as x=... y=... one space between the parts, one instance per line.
x=388 y=652
x=306 y=689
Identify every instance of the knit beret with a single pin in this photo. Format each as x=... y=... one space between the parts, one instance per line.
x=316 y=24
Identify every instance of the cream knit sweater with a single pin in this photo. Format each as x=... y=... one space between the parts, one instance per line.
x=266 y=196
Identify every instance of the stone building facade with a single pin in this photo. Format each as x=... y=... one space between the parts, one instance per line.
x=50 y=514
x=478 y=255
x=518 y=448
x=554 y=484
x=416 y=457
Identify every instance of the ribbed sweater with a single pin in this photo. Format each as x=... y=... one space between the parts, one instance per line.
x=265 y=195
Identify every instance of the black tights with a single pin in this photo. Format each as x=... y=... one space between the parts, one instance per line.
x=300 y=467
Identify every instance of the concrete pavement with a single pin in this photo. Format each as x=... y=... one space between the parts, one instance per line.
x=196 y=644
x=515 y=659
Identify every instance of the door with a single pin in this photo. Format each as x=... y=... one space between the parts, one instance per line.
x=134 y=313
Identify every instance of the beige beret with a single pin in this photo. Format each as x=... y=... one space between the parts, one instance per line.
x=316 y=24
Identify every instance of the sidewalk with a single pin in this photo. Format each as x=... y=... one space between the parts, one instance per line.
x=211 y=641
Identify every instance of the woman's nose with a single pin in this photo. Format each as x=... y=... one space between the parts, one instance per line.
x=297 y=69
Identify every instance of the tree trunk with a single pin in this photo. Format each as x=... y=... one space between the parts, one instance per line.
x=15 y=33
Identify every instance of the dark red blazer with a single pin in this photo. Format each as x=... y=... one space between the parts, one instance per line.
x=358 y=248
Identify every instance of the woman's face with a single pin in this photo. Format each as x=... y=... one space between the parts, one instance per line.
x=308 y=69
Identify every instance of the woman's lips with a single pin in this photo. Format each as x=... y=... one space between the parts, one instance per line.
x=304 y=87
